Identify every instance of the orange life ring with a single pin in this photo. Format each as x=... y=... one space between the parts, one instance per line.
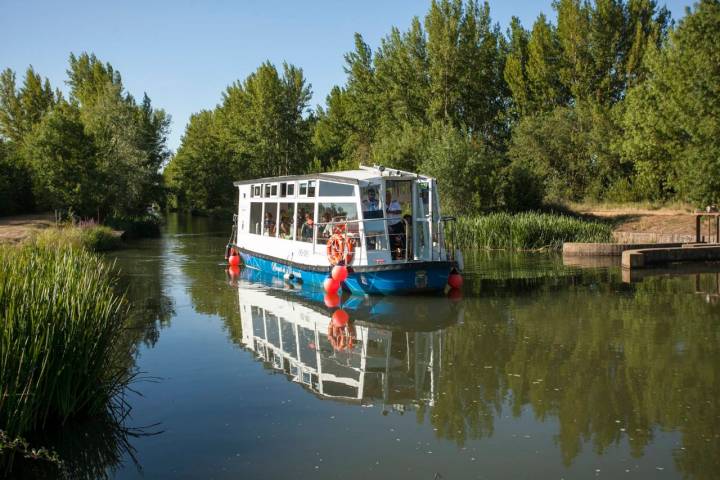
x=340 y=249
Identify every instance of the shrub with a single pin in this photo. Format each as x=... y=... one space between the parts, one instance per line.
x=147 y=226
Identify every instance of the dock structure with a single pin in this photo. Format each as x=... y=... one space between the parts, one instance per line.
x=649 y=257
x=713 y=231
x=705 y=248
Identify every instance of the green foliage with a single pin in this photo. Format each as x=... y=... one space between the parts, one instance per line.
x=60 y=331
x=15 y=181
x=259 y=130
x=64 y=161
x=525 y=231
x=98 y=154
x=671 y=120
x=141 y=226
x=464 y=166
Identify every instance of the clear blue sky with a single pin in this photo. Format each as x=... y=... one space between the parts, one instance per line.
x=184 y=53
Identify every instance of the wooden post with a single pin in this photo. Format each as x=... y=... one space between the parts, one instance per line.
x=717 y=228
x=697 y=227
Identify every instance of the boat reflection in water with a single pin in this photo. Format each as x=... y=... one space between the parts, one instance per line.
x=369 y=359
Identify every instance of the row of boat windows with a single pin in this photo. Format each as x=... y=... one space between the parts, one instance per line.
x=305 y=189
x=297 y=221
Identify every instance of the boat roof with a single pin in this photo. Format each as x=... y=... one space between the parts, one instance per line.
x=361 y=175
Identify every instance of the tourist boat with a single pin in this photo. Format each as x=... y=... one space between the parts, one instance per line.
x=383 y=225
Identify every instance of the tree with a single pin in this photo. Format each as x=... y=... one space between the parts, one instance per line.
x=515 y=73
x=201 y=175
x=672 y=128
x=64 y=161
x=261 y=129
x=21 y=109
x=546 y=90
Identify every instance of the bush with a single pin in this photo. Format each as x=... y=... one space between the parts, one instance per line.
x=60 y=333
x=147 y=226
x=525 y=231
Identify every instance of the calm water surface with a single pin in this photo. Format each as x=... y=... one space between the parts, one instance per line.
x=540 y=371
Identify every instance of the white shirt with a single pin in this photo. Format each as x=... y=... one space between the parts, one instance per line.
x=394 y=218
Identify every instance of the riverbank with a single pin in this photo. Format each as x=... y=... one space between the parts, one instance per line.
x=16 y=228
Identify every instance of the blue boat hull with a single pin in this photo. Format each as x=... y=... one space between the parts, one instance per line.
x=392 y=279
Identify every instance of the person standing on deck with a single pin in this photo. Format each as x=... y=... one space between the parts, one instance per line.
x=396 y=227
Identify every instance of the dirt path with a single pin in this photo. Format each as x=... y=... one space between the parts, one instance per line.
x=15 y=229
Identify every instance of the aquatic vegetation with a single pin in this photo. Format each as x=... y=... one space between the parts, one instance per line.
x=61 y=345
x=97 y=238
x=525 y=231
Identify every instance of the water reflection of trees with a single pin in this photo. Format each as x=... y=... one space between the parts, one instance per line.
x=608 y=366
x=200 y=243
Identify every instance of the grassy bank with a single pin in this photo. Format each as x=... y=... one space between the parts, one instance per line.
x=60 y=331
x=526 y=231
x=96 y=238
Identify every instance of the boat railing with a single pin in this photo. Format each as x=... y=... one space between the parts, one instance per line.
x=400 y=243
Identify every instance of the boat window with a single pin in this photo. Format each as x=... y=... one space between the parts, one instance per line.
x=372 y=208
x=331 y=189
x=311 y=188
x=287 y=215
x=255 y=217
x=274 y=190
x=252 y=190
x=303 y=189
x=332 y=218
x=305 y=222
x=283 y=189
x=270 y=219
x=291 y=190
x=267 y=190
x=256 y=190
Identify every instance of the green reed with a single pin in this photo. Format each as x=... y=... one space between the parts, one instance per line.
x=60 y=337
x=97 y=238
x=525 y=231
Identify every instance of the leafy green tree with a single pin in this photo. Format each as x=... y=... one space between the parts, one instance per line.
x=466 y=168
x=515 y=72
x=401 y=65
x=671 y=120
x=200 y=174
x=546 y=91
x=129 y=138
x=21 y=109
x=261 y=129
x=64 y=161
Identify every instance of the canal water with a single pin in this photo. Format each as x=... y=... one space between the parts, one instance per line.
x=539 y=370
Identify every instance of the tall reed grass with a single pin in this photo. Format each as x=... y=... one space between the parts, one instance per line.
x=97 y=238
x=60 y=337
x=525 y=231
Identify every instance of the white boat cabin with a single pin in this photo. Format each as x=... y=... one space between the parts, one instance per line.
x=390 y=215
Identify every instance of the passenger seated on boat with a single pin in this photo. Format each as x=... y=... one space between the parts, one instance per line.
x=285 y=225
x=306 y=231
x=269 y=225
